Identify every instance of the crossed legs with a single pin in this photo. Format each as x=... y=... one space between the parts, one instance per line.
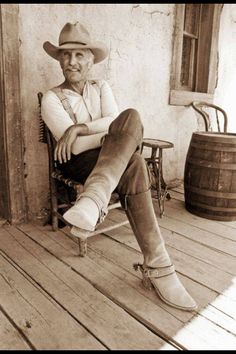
x=120 y=166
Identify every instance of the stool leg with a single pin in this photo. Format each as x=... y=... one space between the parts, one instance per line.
x=164 y=192
x=161 y=185
x=156 y=171
x=155 y=162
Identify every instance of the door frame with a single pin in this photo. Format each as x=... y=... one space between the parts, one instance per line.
x=13 y=206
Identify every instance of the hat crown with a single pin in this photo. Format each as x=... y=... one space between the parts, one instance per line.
x=72 y=33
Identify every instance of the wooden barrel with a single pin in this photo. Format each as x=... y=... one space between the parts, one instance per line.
x=210 y=176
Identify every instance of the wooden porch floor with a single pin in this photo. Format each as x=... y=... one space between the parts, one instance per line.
x=52 y=299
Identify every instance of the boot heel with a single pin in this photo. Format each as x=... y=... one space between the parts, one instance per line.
x=147 y=282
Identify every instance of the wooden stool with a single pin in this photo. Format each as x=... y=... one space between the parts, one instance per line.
x=155 y=162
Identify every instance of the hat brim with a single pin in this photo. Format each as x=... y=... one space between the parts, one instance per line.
x=99 y=50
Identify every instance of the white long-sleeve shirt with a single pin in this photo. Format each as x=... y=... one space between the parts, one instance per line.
x=96 y=108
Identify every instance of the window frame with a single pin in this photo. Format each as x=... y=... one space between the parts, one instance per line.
x=179 y=96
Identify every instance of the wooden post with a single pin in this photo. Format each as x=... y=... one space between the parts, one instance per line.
x=12 y=190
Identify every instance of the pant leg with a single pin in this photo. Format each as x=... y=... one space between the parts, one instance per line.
x=80 y=166
x=123 y=139
x=136 y=178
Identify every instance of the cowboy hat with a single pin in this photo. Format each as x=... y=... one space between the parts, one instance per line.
x=75 y=36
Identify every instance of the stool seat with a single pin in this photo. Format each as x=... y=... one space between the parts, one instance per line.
x=155 y=143
x=155 y=162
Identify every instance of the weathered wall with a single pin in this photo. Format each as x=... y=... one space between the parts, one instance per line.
x=226 y=89
x=138 y=69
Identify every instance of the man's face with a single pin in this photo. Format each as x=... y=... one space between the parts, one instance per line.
x=76 y=63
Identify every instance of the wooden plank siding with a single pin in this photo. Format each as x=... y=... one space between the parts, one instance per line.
x=49 y=294
x=12 y=187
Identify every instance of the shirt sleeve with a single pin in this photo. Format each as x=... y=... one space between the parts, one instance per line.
x=109 y=110
x=58 y=120
x=54 y=115
x=87 y=142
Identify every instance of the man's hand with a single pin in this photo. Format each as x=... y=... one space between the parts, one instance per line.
x=63 y=148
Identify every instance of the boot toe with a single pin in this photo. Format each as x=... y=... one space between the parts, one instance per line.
x=172 y=292
x=76 y=217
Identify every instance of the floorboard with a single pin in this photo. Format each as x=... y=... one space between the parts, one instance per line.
x=10 y=336
x=75 y=294
x=51 y=298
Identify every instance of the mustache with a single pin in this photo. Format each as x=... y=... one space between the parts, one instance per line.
x=71 y=68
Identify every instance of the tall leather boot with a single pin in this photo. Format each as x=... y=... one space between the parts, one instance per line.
x=157 y=269
x=125 y=135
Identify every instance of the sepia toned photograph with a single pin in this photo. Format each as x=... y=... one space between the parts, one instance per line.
x=118 y=176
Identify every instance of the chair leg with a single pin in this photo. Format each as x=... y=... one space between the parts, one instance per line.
x=54 y=204
x=54 y=222
x=82 y=247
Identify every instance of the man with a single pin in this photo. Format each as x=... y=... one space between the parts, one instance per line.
x=101 y=149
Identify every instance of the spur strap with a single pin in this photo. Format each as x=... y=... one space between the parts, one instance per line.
x=154 y=272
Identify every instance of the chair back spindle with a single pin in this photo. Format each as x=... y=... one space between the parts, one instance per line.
x=203 y=108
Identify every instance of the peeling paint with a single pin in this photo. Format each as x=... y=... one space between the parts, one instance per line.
x=157 y=12
x=151 y=13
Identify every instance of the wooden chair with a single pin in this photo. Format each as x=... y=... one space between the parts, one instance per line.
x=71 y=188
x=205 y=109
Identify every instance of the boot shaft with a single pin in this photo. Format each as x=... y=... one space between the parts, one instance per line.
x=141 y=215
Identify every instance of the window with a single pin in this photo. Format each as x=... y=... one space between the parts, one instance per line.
x=195 y=55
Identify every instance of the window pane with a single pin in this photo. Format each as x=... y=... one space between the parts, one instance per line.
x=188 y=63
x=190 y=42
x=204 y=50
x=191 y=18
